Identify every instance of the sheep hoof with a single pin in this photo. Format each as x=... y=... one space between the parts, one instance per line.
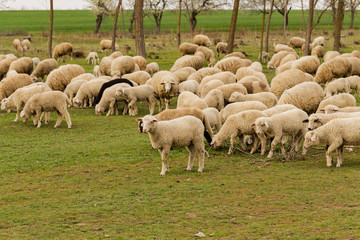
x=200 y=170
x=162 y=174
x=188 y=169
x=329 y=165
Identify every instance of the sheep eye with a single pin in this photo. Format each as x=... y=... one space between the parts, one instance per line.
x=316 y=120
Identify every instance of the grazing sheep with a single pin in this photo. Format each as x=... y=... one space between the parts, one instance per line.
x=152 y=68
x=25 y=44
x=318 y=119
x=73 y=87
x=330 y=55
x=335 y=135
x=356 y=53
x=116 y=54
x=250 y=71
x=22 y=65
x=282 y=47
x=237 y=107
x=303 y=48
x=296 y=42
x=96 y=71
x=306 y=96
x=11 y=73
x=84 y=76
x=214 y=118
x=209 y=55
x=209 y=86
x=215 y=99
x=18 y=99
x=221 y=47
x=337 y=86
x=254 y=84
x=236 y=54
x=185 y=131
x=308 y=64
x=5 y=65
x=59 y=78
x=340 y=100
x=277 y=58
x=279 y=109
x=63 y=49
x=188 y=99
x=105 y=65
x=196 y=62
x=106 y=44
x=184 y=73
x=329 y=109
x=187 y=48
x=88 y=91
x=283 y=67
x=225 y=77
x=267 y=98
x=9 y=85
x=145 y=93
x=189 y=85
x=335 y=68
x=93 y=57
x=202 y=73
x=288 y=58
x=279 y=125
x=354 y=82
x=237 y=125
x=355 y=65
x=318 y=51
x=122 y=65
x=47 y=102
x=265 y=57
x=17 y=46
x=140 y=77
x=229 y=89
x=286 y=80
x=319 y=41
x=232 y=64
x=202 y=40
x=141 y=62
x=110 y=83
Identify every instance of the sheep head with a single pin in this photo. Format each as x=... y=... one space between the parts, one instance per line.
x=4 y=103
x=25 y=115
x=260 y=125
x=98 y=110
x=311 y=139
x=314 y=122
x=237 y=97
x=167 y=85
x=149 y=123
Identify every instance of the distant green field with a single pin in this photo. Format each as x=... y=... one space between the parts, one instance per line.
x=84 y=21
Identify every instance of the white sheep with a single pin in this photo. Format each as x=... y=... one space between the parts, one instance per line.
x=221 y=47
x=303 y=48
x=214 y=118
x=318 y=51
x=284 y=67
x=187 y=48
x=296 y=42
x=63 y=49
x=152 y=68
x=72 y=88
x=189 y=99
x=106 y=44
x=202 y=73
x=337 y=86
x=116 y=54
x=202 y=40
x=288 y=58
x=356 y=53
x=232 y=64
x=96 y=71
x=180 y=132
x=105 y=65
x=9 y=85
x=279 y=125
x=254 y=84
x=59 y=78
x=282 y=47
x=88 y=91
x=84 y=76
x=189 y=85
x=47 y=102
x=140 y=77
x=250 y=71
x=306 y=96
x=209 y=55
x=335 y=135
x=17 y=45
x=316 y=120
x=141 y=62
x=329 y=109
x=93 y=58
x=308 y=64
x=5 y=65
x=215 y=99
x=209 y=86
x=267 y=98
x=196 y=62
x=225 y=77
x=109 y=101
x=355 y=65
x=340 y=100
x=25 y=44
x=237 y=107
x=122 y=65
x=279 y=109
x=236 y=54
x=184 y=73
x=22 y=65
x=319 y=41
x=330 y=55
x=145 y=93
x=276 y=59
x=229 y=89
x=265 y=57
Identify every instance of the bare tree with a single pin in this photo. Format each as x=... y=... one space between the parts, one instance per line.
x=51 y=28
x=114 y=26
x=101 y=8
x=122 y=19
x=268 y=26
x=156 y=9
x=233 y=22
x=262 y=31
x=3 y=4
x=309 y=27
x=178 y=26
x=338 y=25
x=139 y=29
x=282 y=6
x=352 y=5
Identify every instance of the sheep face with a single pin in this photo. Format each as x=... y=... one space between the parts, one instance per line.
x=216 y=142
x=77 y=102
x=261 y=126
x=25 y=115
x=314 y=122
x=3 y=104
x=237 y=97
x=311 y=139
x=167 y=85
x=149 y=123
x=99 y=110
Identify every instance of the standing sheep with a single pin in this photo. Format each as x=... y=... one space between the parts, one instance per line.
x=188 y=99
x=335 y=68
x=184 y=73
x=152 y=68
x=330 y=55
x=141 y=62
x=22 y=65
x=237 y=107
x=340 y=100
x=337 y=86
x=93 y=58
x=109 y=100
x=25 y=45
x=232 y=64
x=187 y=48
x=202 y=40
x=72 y=88
x=9 y=85
x=5 y=65
x=122 y=65
x=59 y=78
x=44 y=68
x=221 y=48
x=189 y=85
x=296 y=42
x=202 y=73
x=267 y=98
x=196 y=62
x=105 y=65
x=106 y=44
x=214 y=118
x=209 y=55
x=140 y=77
x=17 y=46
x=307 y=64
x=63 y=49
x=319 y=41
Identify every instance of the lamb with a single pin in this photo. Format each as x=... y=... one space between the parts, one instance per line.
x=106 y=44
x=279 y=109
x=318 y=51
x=337 y=86
x=279 y=125
x=276 y=59
x=237 y=107
x=72 y=88
x=286 y=80
x=340 y=100
x=209 y=55
x=9 y=85
x=232 y=64
x=25 y=44
x=306 y=96
x=330 y=55
x=188 y=99
x=319 y=41
x=202 y=73
x=108 y=84
x=93 y=57
x=189 y=85
x=187 y=48
x=319 y=119
x=141 y=62
x=17 y=45
x=181 y=132
x=22 y=65
x=84 y=76
x=269 y=99
x=254 y=84
x=63 y=49
x=333 y=109
x=228 y=89
x=96 y=71
x=196 y=62
x=47 y=102
x=209 y=86
x=59 y=78
x=225 y=77
x=214 y=118
x=122 y=65
x=152 y=68
x=308 y=64
x=144 y=93
x=335 y=68
x=88 y=91
x=221 y=47
x=215 y=99
x=184 y=73
x=202 y=40
x=296 y=42
x=109 y=99
x=283 y=47
x=237 y=125
x=139 y=77
x=5 y=65
x=18 y=99
x=105 y=65
x=335 y=134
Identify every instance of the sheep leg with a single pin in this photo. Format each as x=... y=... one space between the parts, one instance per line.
x=17 y=114
x=111 y=109
x=263 y=141
x=116 y=109
x=192 y=155
x=232 y=142
x=167 y=103
x=339 y=151
x=67 y=117
x=126 y=108
x=273 y=145
x=199 y=147
x=256 y=144
x=58 y=121
x=330 y=149
x=47 y=117
x=132 y=105
x=164 y=166
x=151 y=106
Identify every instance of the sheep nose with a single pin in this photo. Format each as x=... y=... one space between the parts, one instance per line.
x=309 y=129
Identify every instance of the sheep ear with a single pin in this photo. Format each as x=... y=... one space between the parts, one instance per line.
x=313 y=138
x=77 y=100
x=154 y=121
x=139 y=119
x=306 y=121
x=266 y=124
x=213 y=142
x=253 y=125
x=335 y=109
x=162 y=83
x=172 y=82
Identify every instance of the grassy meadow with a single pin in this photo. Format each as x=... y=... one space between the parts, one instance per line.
x=100 y=179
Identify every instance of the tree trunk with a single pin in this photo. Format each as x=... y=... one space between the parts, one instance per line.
x=285 y=20
x=51 y=28
x=309 y=28
x=114 y=26
x=99 y=19
x=178 y=26
x=193 y=23
x=353 y=9
x=131 y=22
x=302 y=13
x=268 y=26
x=262 y=32
x=233 y=22
x=157 y=22
x=338 y=25
x=122 y=19
x=139 y=29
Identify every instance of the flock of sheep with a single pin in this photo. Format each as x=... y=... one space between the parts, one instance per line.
x=229 y=99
